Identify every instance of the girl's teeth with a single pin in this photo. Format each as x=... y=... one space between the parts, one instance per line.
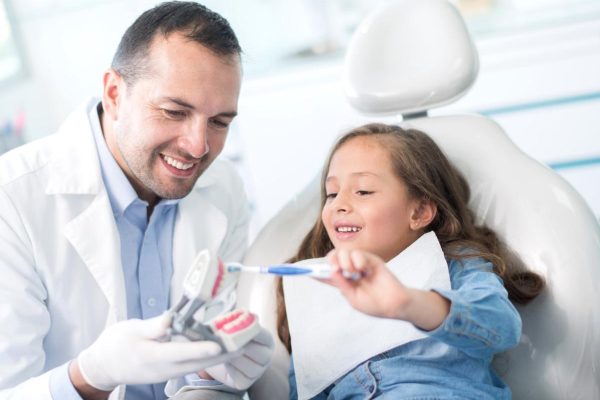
x=348 y=229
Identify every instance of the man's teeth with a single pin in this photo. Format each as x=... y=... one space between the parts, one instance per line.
x=348 y=229
x=177 y=164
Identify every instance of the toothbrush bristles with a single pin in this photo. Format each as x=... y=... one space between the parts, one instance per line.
x=234 y=267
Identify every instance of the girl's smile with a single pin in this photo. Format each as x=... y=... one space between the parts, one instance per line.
x=368 y=207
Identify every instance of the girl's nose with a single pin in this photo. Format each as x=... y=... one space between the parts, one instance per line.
x=341 y=203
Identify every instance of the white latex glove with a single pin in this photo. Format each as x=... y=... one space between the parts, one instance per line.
x=241 y=371
x=128 y=353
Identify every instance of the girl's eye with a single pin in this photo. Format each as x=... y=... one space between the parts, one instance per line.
x=175 y=114
x=330 y=196
x=364 y=192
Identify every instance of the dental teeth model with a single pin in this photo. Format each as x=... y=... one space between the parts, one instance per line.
x=202 y=283
x=236 y=328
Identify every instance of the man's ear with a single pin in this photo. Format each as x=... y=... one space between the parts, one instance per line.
x=113 y=89
x=423 y=213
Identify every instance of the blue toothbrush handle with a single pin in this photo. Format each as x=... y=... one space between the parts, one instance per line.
x=322 y=271
x=288 y=270
x=291 y=269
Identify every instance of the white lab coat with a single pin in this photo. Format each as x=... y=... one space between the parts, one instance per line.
x=61 y=280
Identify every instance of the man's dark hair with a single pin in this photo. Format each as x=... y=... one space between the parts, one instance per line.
x=191 y=19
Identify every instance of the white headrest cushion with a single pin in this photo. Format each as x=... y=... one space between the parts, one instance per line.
x=409 y=56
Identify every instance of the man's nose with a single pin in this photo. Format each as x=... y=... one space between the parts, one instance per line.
x=195 y=139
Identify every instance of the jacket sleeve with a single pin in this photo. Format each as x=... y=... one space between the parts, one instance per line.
x=25 y=318
x=482 y=321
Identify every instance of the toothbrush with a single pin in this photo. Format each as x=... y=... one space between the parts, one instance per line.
x=322 y=270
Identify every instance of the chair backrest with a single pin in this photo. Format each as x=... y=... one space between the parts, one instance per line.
x=276 y=242
x=396 y=64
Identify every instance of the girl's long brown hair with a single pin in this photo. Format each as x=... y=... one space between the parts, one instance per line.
x=427 y=173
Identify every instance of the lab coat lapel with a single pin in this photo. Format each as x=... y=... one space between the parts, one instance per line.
x=198 y=225
x=94 y=236
x=93 y=233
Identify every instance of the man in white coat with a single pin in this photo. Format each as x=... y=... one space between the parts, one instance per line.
x=100 y=222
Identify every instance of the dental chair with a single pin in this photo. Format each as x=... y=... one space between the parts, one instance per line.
x=406 y=58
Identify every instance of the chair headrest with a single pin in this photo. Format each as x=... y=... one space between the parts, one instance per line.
x=409 y=56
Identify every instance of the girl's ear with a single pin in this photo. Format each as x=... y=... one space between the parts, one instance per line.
x=424 y=212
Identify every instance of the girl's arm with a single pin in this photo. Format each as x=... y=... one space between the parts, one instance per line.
x=482 y=321
x=381 y=294
x=475 y=316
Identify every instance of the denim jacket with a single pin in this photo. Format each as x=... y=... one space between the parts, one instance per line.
x=454 y=361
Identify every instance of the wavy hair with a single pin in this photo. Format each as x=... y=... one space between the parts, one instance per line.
x=426 y=171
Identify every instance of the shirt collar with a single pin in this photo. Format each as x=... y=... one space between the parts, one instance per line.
x=120 y=191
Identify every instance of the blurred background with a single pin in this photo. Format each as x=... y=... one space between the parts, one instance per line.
x=539 y=78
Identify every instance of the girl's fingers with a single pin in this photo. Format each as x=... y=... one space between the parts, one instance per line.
x=345 y=286
x=332 y=260
x=365 y=262
x=344 y=260
x=354 y=263
x=359 y=260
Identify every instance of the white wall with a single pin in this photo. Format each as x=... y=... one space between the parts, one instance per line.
x=543 y=87
x=66 y=45
x=534 y=84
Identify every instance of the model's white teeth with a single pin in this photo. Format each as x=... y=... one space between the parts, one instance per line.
x=348 y=229
x=177 y=164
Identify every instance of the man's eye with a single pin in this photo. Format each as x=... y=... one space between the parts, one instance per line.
x=175 y=114
x=219 y=124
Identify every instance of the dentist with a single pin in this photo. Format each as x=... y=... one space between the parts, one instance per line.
x=100 y=221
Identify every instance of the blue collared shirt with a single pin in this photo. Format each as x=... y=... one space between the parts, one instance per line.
x=146 y=256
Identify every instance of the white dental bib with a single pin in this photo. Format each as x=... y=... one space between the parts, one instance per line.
x=330 y=338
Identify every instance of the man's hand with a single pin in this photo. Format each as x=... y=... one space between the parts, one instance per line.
x=129 y=353
x=242 y=371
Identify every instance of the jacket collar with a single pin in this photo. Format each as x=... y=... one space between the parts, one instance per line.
x=75 y=164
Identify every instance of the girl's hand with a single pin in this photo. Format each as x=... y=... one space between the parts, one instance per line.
x=377 y=292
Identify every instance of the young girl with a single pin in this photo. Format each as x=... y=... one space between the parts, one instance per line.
x=382 y=188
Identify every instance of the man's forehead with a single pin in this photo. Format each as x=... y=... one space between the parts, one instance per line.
x=173 y=41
